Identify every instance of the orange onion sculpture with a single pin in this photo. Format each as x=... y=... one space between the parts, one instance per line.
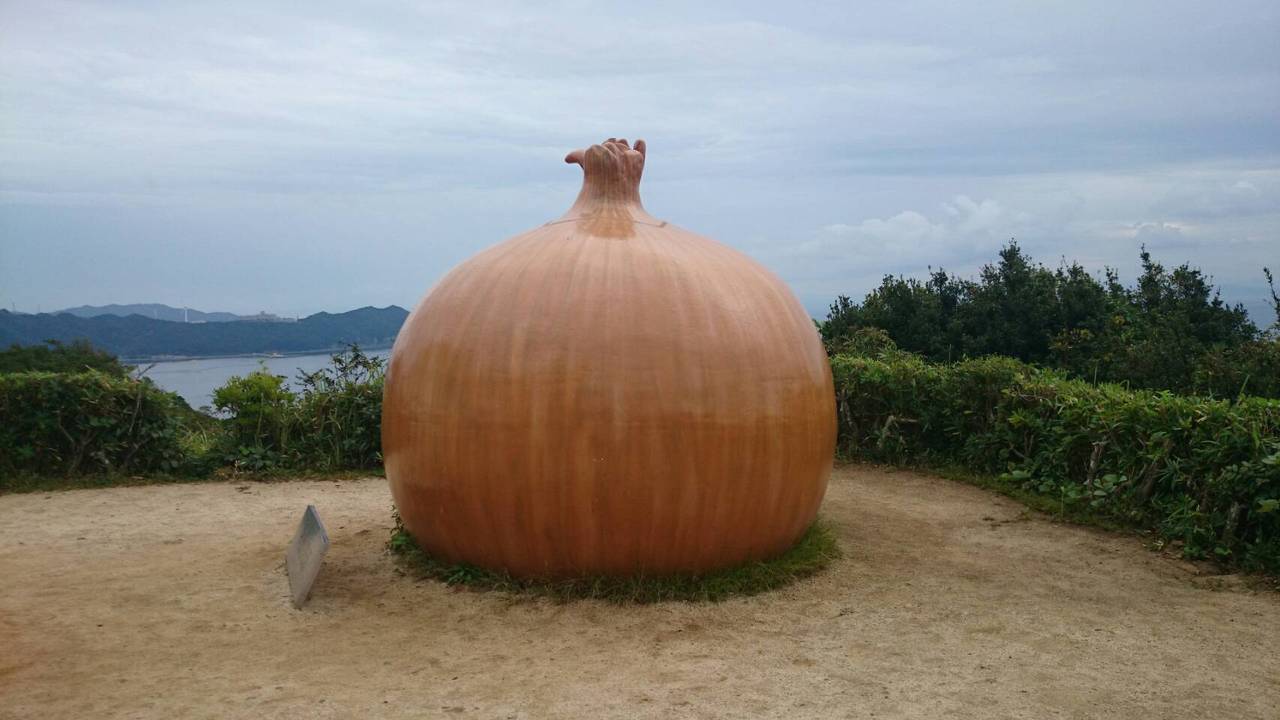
x=608 y=394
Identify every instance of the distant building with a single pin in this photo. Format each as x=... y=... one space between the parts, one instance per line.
x=265 y=316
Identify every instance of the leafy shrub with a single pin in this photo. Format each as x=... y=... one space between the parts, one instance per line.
x=75 y=423
x=1200 y=471
x=57 y=357
x=868 y=341
x=340 y=412
x=1252 y=368
x=335 y=421
x=65 y=424
x=261 y=411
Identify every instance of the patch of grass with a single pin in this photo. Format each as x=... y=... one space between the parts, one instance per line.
x=29 y=482
x=815 y=550
x=1054 y=506
x=1049 y=505
x=291 y=474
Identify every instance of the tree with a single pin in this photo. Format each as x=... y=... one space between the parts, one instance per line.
x=1170 y=330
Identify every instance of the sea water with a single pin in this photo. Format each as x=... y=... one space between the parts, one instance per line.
x=196 y=379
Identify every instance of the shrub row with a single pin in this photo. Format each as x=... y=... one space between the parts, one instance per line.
x=1196 y=470
x=68 y=424
x=74 y=423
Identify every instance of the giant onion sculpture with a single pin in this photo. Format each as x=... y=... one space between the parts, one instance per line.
x=608 y=394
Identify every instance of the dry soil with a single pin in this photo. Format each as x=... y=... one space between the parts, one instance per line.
x=170 y=601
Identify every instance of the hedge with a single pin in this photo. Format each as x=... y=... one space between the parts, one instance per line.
x=1196 y=470
x=76 y=423
x=1201 y=471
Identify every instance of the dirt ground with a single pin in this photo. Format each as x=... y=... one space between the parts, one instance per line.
x=171 y=601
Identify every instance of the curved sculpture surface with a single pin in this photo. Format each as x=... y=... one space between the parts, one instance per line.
x=608 y=394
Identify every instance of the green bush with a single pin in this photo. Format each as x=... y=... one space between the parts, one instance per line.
x=1200 y=471
x=260 y=412
x=259 y=407
x=77 y=423
x=335 y=422
x=869 y=341
x=69 y=424
x=1252 y=368
x=340 y=412
x=55 y=356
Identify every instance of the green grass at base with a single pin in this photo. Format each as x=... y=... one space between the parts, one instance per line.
x=1054 y=509
x=1047 y=504
x=815 y=550
x=26 y=483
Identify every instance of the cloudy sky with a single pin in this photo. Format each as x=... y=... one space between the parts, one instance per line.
x=317 y=156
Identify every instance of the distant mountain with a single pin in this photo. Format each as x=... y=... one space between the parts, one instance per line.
x=155 y=311
x=138 y=337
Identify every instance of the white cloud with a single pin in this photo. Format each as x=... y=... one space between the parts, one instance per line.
x=961 y=225
x=1156 y=235
x=1097 y=220
x=1222 y=195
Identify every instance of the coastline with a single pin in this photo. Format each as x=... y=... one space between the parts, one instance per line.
x=263 y=355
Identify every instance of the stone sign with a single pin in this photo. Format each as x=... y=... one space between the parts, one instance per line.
x=305 y=553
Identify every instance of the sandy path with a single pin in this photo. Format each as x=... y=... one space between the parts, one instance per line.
x=169 y=601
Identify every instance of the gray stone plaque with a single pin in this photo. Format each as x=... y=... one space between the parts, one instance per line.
x=305 y=553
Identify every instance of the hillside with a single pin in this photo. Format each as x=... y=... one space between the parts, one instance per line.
x=139 y=337
x=155 y=311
